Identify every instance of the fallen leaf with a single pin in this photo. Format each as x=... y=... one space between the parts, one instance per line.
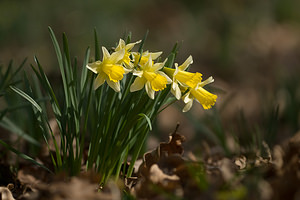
x=241 y=162
x=5 y=194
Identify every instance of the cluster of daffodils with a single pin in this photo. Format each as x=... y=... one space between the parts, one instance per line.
x=154 y=76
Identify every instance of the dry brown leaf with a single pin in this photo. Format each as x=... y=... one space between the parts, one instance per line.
x=241 y=162
x=174 y=146
x=159 y=169
x=5 y=194
x=158 y=176
x=75 y=189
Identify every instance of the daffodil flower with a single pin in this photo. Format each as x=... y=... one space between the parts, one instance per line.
x=182 y=77
x=205 y=98
x=145 y=57
x=150 y=77
x=108 y=69
x=127 y=47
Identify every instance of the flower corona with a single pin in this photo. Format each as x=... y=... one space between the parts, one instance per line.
x=154 y=76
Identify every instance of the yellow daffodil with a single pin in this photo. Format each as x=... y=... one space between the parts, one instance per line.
x=150 y=77
x=145 y=57
x=205 y=98
x=108 y=69
x=182 y=77
x=127 y=47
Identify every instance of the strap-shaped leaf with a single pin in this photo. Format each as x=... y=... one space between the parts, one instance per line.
x=147 y=119
x=23 y=155
x=12 y=127
x=27 y=97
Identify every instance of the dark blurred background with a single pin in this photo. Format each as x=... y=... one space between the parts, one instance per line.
x=251 y=48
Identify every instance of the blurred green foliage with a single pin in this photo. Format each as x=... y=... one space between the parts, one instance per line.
x=245 y=45
x=213 y=30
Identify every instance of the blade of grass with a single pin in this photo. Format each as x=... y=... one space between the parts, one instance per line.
x=18 y=153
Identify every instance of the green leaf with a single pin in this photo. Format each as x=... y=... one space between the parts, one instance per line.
x=66 y=48
x=24 y=156
x=172 y=56
x=7 y=78
x=11 y=126
x=84 y=71
x=27 y=97
x=60 y=64
x=128 y=40
x=97 y=48
x=143 y=41
x=46 y=84
x=147 y=119
x=19 y=68
x=167 y=103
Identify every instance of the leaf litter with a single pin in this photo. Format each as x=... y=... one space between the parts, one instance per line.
x=168 y=173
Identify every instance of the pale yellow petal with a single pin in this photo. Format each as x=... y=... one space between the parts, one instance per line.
x=175 y=90
x=187 y=98
x=138 y=84
x=155 y=55
x=186 y=63
x=126 y=70
x=100 y=79
x=138 y=73
x=131 y=45
x=117 y=56
x=94 y=67
x=188 y=106
x=148 y=65
x=121 y=45
x=105 y=53
x=207 y=81
x=114 y=85
x=149 y=90
x=176 y=69
x=169 y=80
x=158 y=66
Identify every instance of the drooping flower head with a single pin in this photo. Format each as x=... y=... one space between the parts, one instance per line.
x=127 y=47
x=205 y=98
x=108 y=69
x=148 y=75
x=182 y=77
